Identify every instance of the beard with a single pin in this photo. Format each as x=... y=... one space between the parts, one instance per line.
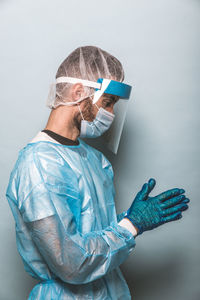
x=87 y=112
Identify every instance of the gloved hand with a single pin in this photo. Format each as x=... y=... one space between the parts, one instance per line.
x=147 y=212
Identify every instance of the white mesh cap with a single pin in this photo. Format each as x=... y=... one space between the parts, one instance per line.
x=86 y=63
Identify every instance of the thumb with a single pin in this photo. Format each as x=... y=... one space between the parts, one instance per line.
x=151 y=184
x=147 y=188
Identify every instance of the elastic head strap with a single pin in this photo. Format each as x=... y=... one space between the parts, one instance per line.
x=72 y=80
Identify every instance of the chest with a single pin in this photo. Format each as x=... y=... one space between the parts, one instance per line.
x=94 y=204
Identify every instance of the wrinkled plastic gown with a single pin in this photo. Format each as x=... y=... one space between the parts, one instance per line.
x=62 y=199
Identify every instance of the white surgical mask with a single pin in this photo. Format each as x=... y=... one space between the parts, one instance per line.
x=98 y=126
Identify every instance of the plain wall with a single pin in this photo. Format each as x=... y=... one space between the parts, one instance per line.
x=158 y=43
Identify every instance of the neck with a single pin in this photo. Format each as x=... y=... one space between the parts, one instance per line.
x=62 y=122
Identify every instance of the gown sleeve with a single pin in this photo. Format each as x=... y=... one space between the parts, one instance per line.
x=77 y=258
x=72 y=256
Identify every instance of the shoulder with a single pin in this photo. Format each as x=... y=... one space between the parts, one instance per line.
x=38 y=159
x=39 y=152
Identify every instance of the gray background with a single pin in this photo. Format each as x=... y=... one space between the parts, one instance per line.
x=158 y=43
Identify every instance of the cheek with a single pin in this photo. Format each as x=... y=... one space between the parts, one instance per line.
x=87 y=111
x=88 y=107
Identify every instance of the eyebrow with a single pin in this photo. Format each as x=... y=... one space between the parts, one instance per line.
x=113 y=98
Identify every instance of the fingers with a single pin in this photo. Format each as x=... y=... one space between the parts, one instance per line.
x=151 y=184
x=186 y=200
x=173 y=217
x=174 y=201
x=175 y=209
x=147 y=188
x=170 y=194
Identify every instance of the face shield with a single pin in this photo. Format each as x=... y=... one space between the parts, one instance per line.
x=111 y=138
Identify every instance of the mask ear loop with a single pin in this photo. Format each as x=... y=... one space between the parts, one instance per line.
x=80 y=112
x=97 y=106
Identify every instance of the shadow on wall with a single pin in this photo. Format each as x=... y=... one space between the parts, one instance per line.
x=150 y=278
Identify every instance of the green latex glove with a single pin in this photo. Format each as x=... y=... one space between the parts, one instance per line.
x=147 y=212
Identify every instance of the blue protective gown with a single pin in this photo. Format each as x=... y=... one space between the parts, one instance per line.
x=62 y=199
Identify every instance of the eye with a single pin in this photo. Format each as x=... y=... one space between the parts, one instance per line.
x=107 y=102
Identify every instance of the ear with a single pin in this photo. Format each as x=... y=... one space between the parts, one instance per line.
x=77 y=91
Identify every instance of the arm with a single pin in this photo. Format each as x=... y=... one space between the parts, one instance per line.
x=77 y=258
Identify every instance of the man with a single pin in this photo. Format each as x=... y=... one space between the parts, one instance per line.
x=61 y=190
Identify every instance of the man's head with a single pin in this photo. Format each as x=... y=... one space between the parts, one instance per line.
x=96 y=91
x=88 y=63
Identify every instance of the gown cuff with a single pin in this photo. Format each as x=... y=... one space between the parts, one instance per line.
x=127 y=224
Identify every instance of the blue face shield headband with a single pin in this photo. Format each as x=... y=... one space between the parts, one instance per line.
x=112 y=87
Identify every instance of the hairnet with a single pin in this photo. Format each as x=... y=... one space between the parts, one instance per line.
x=88 y=63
